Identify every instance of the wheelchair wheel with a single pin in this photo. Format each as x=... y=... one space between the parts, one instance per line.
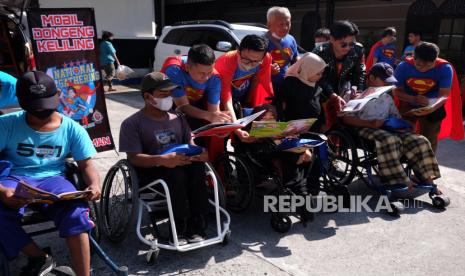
x=119 y=200
x=342 y=156
x=238 y=181
x=281 y=223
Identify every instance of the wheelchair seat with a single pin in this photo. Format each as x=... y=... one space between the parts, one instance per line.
x=123 y=203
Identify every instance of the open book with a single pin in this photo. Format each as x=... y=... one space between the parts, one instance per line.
x=26 y=191
x=369 y=94
x=223 y=129
x=432 y=103
x=264 y=129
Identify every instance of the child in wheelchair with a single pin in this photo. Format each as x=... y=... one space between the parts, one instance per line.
x=144 y=137
x=290 y=168
x=36 y=141
x=373 y=123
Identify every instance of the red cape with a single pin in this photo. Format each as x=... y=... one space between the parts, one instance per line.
x=174 y=60
x=369 y=59
x=452 y=125
x=226 y=66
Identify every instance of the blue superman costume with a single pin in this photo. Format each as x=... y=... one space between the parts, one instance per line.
x=227 y=66
x=384 y=53
x=452 y=125
x=198 y=94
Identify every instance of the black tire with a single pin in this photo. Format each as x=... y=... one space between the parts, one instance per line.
x=119 y=200
x=342 y=156
x=238 y=181
x=440 y=202
x=281 y=223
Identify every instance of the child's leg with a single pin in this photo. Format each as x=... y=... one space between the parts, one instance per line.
x=420 y=157
x=80 y=253
x=197 y=188
x=72 y=220
x=13 y=238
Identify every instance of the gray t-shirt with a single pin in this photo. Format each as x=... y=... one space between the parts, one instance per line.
x=142 y=134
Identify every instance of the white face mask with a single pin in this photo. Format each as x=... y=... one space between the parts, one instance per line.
x=163 y=104
x=318 y=44
x=276 y=36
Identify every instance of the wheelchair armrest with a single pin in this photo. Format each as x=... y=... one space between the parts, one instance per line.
x=314 y=136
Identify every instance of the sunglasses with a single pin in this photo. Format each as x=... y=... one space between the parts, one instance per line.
x=248 y=61
x=347 y=44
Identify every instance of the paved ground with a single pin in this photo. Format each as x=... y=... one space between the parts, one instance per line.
x=423 y=241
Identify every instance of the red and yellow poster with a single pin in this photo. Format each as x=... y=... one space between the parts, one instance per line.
x=66 y=48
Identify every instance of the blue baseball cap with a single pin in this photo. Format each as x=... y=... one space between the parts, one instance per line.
x=383 y=71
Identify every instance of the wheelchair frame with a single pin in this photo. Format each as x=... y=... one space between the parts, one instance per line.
x=155 y=198
x=368 y=162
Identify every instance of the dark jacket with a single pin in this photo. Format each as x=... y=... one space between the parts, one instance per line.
x=353 y=69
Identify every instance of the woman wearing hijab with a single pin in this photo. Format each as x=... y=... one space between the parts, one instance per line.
x=300 y=95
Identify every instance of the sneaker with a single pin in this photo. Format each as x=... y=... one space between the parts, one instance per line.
x=195 y=238
x=39 y=266
x=181 y=241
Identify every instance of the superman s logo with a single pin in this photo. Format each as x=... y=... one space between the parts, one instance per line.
x=388 y=53
x=421 y=86
x=278 y=57
x=193 y=94
x=240 y=82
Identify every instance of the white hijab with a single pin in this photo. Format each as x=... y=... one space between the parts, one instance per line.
x=308 y=65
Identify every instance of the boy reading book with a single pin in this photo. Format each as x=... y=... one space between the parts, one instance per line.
x=37 y=141
x=390 y=146
x=147 y=135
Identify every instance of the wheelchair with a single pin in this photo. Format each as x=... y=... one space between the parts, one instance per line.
x=358 y=158
x=123 y=204
x=245 y=177
x=32 y=217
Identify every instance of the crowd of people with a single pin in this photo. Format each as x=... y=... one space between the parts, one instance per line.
x=264 y=73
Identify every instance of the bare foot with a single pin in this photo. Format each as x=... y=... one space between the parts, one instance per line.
x=111 y=89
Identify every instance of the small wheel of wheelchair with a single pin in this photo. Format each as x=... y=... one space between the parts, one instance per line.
x=280 y=223
x=342 y=156
x=440 y=201
x=238 y=181
x=396 y=208
x=226 y=238
x=152 y=256
x=119 y=200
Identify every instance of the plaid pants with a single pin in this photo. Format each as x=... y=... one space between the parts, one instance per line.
x=390 y=147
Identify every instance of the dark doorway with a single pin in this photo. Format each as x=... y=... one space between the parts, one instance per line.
x=423 y=16
x=310 y=23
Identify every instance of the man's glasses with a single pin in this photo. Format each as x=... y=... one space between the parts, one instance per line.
x=248 y=61
x=347 y=44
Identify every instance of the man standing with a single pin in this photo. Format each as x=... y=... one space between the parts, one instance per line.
x=199 y=85
x=282 y=45
x=423 y=80
x=245 y=76
x=383 y=50
x=346 y=68
x=414 y=37
x=108 y=58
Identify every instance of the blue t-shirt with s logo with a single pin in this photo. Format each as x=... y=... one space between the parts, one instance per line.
x=41 y=154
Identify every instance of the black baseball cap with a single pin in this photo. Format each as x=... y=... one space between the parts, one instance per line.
x=383 y=71
x=36 y=90
x=156 y=81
